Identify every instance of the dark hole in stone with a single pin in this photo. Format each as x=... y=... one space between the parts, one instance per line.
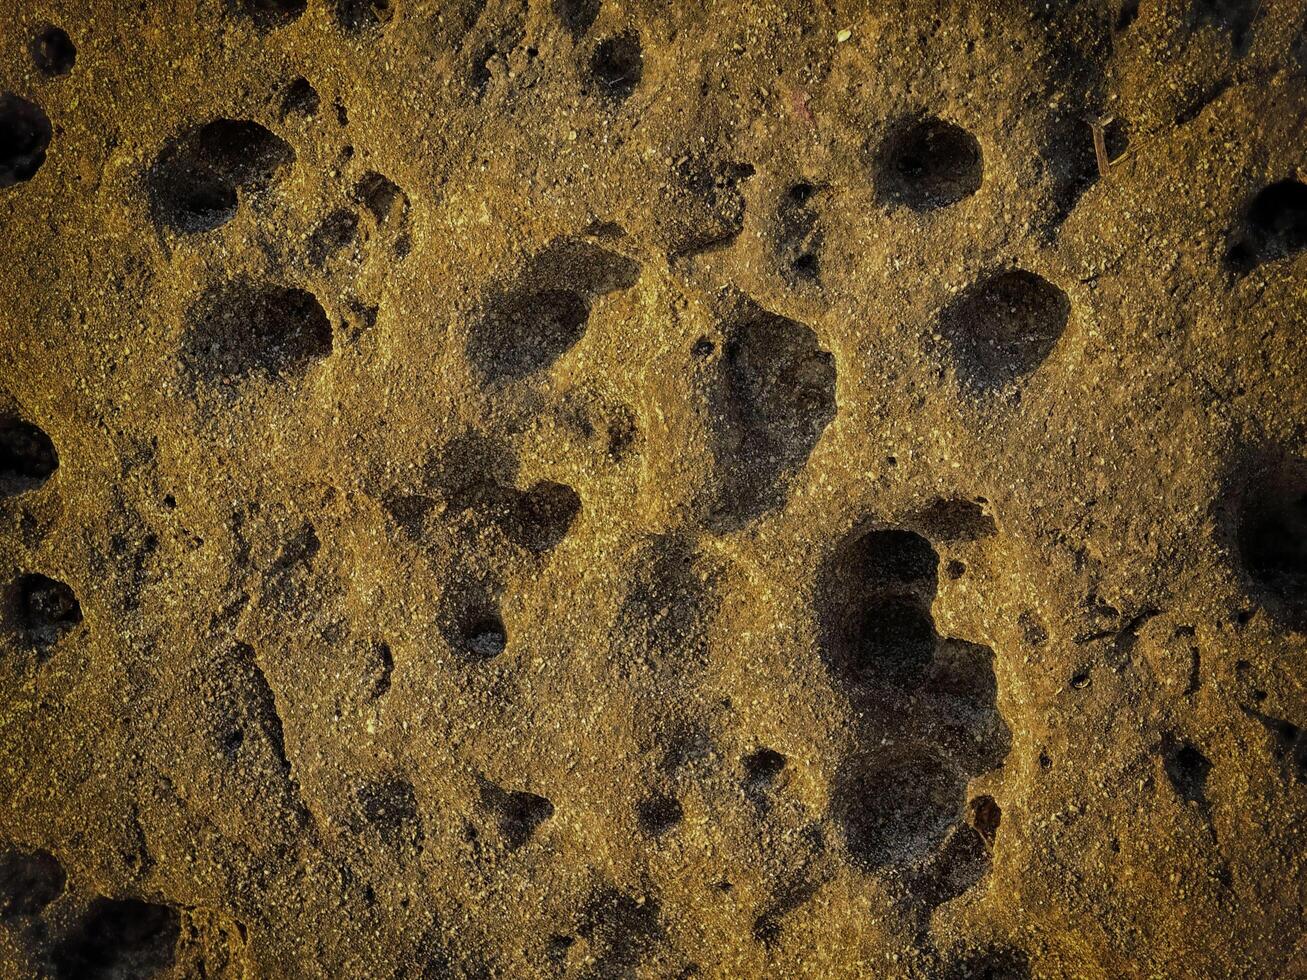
x=958 y=864
x=1290 y=740
x=875 y=608
x=271 y=14
x=385 y=666
x=194 y=181
x=894 y=642
x=47 y=608
x=999 y=963
x=929 y=164
x=576 y=15
x=519 y=813
x=896 y=808
x=620 y=930
x=232 y=742
x=485 y=636
x=556 y=950
x=955 y=520
x=986 y=816
x=242 y=329
x=356 y=16
x=805 y=266
x=299 y=99
x=702 y=204
x=335 y=232
x=1127 y=14
x=766 y=929
x=242 y=150
x=1272 y=538
x=543 y=515
x=27 y=457
x=763 y=766
x=119 y=938
x=53 y=51
x=897 y=557
x=379 y=194
x=389 y=804
x=617 y=66
x=774 y=397
x=527 y=331
x=25 y=134
x=658 y=814
x=1187 y=768
x=1234 y=16
x=29 y=881
x=1275 y=226
x=1003 y=327
x=801 y=193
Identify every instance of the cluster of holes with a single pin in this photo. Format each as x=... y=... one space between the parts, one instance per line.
x=25 y=134
x=195 y=179
x=900 y=804
x=1003 y=327
x=53 y=51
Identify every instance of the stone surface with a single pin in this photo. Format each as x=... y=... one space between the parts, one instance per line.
x=588 y=489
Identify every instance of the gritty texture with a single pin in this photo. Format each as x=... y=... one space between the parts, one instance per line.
x=568 y=488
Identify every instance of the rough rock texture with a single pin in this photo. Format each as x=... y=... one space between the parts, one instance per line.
x=541 y=488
